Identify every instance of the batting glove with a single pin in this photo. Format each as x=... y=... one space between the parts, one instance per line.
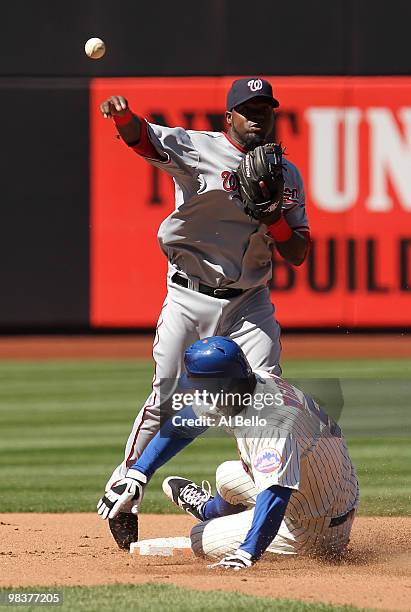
x=128 y=490
x=238 y=561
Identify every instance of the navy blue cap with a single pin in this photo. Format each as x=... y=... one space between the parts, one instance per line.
x=249 y=87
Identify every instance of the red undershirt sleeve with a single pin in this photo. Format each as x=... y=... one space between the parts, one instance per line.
x=145 y=147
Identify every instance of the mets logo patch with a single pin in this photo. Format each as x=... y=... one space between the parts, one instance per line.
x=268 y=460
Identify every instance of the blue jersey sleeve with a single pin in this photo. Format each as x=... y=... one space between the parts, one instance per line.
x=172 y=438
x=268 y=513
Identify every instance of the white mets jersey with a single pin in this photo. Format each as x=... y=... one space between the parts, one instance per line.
x=296 y=445
x=208 y=236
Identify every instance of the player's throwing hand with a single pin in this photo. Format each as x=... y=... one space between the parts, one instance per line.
x=115 y=105
x=241 y=559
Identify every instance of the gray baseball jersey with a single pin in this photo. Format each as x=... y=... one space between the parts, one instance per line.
x=210 y=239
x=208 y=236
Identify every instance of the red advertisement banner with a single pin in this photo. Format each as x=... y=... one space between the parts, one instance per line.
x=350 y=138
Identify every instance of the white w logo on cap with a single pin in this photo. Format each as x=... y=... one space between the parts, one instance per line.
x=255 y=84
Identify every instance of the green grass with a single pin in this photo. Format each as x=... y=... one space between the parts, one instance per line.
x=64 y=424
x=126 y=597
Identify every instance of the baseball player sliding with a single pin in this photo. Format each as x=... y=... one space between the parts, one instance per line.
x=294 y=490
x=236 y=198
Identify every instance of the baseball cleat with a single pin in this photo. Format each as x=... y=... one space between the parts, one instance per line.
x=187 y=495
x=124 y=529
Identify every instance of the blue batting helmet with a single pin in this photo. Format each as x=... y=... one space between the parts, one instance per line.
x=215 y=357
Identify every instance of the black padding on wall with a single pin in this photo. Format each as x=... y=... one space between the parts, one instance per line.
x=44 y=187
x=206 y=37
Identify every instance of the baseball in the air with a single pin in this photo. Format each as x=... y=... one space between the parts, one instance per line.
x=95 y=48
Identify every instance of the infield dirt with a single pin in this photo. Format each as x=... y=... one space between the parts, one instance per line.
x=136 y=346
x=76 y=549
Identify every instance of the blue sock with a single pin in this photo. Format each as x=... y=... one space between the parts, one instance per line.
x=219 y=507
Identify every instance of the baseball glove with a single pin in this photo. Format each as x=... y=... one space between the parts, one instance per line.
x=261 y=182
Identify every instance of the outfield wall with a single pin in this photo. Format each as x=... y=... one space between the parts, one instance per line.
x=206 y=37
x=351 y=139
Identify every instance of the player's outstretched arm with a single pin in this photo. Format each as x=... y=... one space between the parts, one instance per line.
x=132 y=129
x=127 y=123
x=170 y=440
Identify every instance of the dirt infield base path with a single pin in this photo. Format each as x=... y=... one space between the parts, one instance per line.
x=76 y=549
x=312 y=346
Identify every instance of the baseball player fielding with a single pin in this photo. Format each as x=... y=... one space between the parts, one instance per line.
x=218 y=243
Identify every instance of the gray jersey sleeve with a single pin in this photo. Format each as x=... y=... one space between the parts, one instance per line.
x=182 y=158
x=294 y=198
